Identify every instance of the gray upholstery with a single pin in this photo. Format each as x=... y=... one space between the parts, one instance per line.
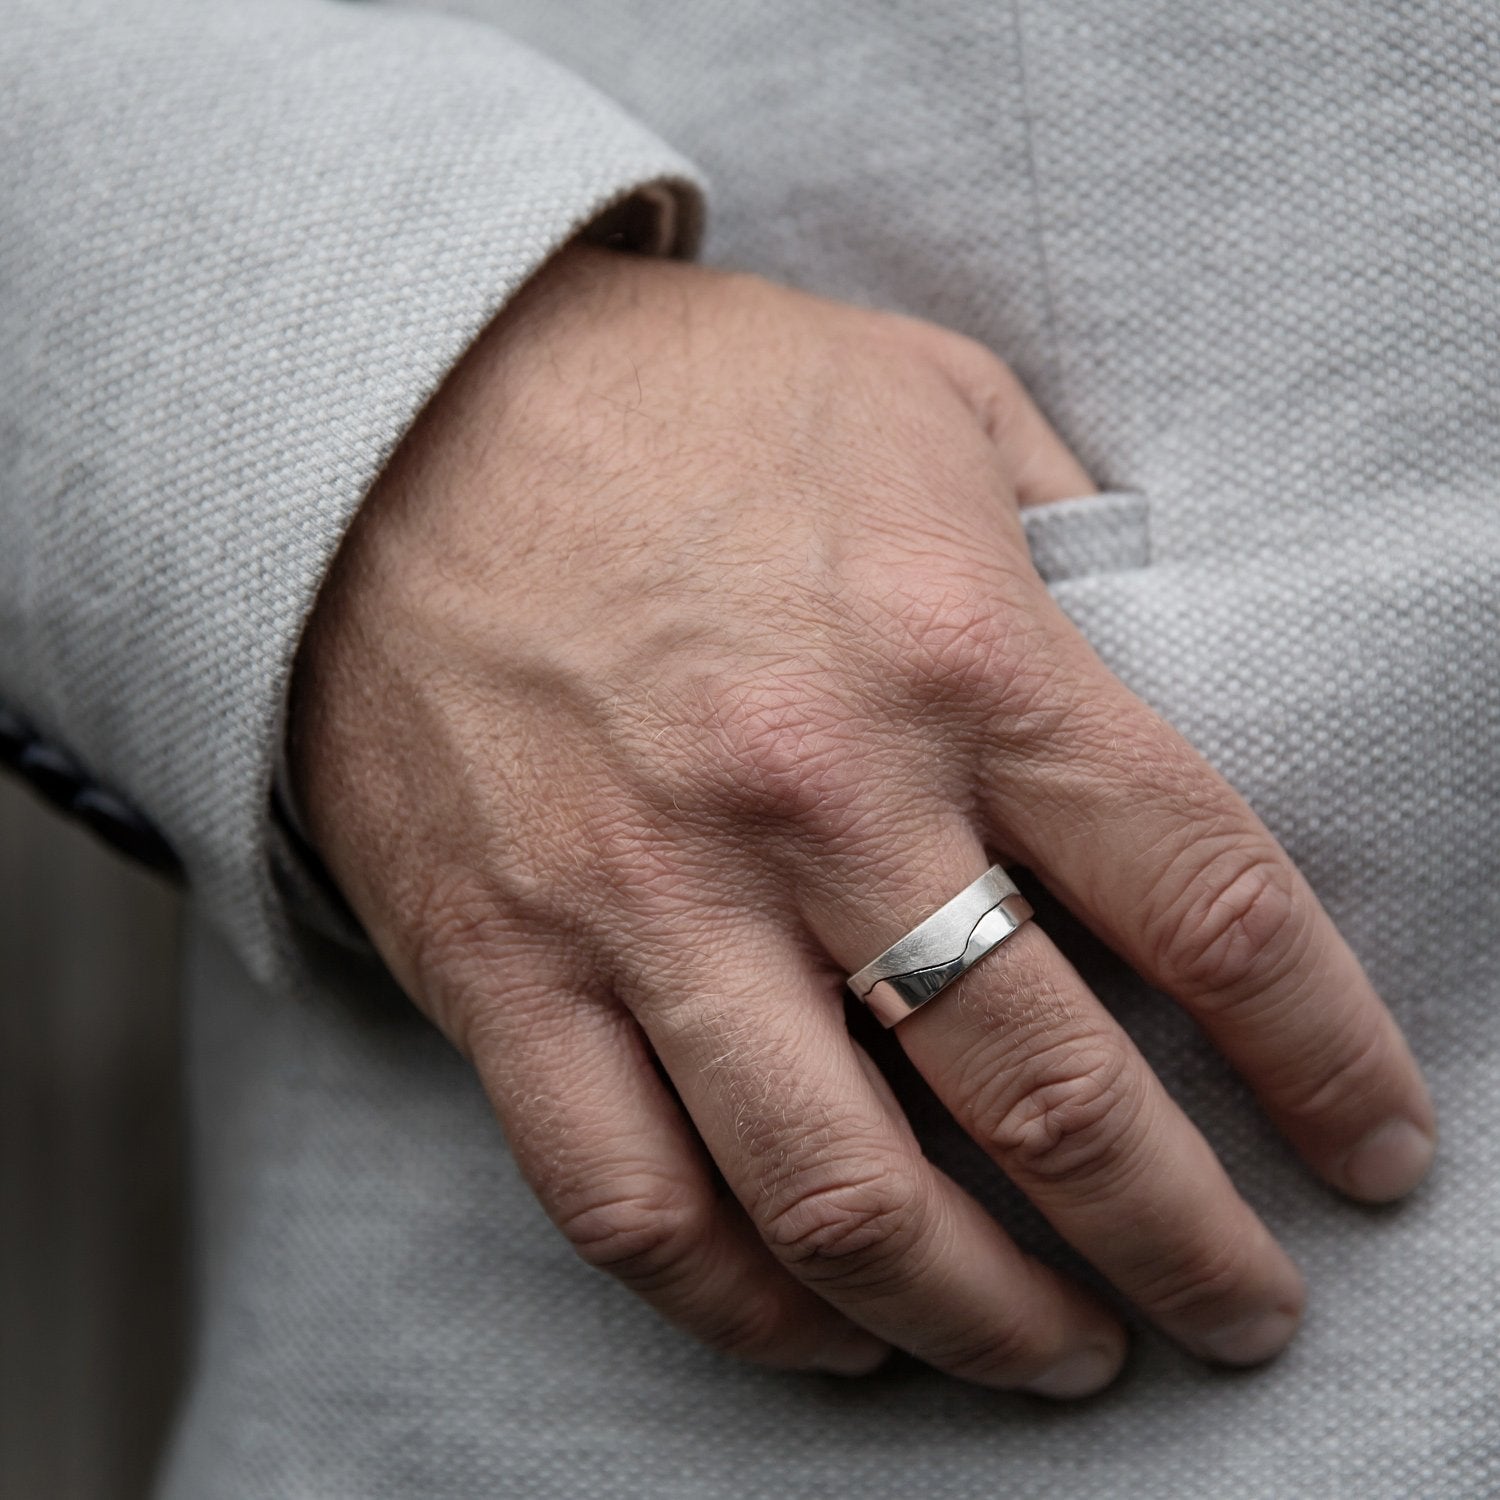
x=1246 y=258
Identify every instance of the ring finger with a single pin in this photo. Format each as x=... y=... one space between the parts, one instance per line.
x=1051 y=1086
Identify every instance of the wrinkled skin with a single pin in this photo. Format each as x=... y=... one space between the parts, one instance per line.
x=687 y=654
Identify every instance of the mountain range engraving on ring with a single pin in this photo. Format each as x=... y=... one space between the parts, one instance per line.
x=943 y=948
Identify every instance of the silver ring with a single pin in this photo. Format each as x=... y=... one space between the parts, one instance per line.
x=943 y=948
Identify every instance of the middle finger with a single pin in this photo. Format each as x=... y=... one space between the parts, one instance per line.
x=754 y=1041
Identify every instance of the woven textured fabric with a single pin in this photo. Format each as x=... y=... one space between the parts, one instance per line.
x=240 y=246
x=1101 y=533
x=1246 y=257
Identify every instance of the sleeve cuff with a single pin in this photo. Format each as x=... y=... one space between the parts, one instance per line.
x=251 y=241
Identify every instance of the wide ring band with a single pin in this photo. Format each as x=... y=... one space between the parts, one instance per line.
x=943 y=948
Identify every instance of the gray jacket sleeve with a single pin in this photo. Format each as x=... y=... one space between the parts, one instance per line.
x=240 y=246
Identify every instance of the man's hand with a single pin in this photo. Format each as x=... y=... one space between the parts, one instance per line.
x=689 y=653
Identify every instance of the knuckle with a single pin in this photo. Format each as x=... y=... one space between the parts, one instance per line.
x=451 y=915
x=647 y=1235
x=966 y=640
x=992 y=389
x=1062 y=1114
x=960 y=636
x=752 y=1327
x=1007 y=1345
x=453 y=930
x=1343 y=1079
x=1198 y=1274
x=857 y=1231
x=647 y=868
x=1231 y=930
x=781 y=743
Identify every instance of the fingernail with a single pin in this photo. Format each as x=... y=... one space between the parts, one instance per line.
x=1078 y=1374
x=1249 y=1341
x=1389 y=1162
x=861 y=1354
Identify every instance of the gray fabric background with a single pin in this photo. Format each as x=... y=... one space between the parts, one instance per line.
x=1245 y=256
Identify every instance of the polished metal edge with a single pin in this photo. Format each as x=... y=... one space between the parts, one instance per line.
x=940 y=938
x=895 y=996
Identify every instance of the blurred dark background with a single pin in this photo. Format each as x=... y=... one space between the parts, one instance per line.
x=92 y=1292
